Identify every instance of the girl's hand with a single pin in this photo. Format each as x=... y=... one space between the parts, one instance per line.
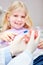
x=40 y=45
x=7 y=36
x=26 y=38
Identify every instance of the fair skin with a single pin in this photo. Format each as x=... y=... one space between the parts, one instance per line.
x=17 y=21
x=40 y=45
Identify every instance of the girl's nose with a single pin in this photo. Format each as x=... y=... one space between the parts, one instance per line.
x=19 y=18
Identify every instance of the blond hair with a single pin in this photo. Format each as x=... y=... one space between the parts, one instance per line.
x=15 y=5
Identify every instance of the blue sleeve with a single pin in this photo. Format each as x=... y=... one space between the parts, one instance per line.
x=5 y=56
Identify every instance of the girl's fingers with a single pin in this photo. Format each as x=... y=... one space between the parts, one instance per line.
x=11 y=36
x=40 y=45
x=36 y=34
x=38 y=37
x=7 y=39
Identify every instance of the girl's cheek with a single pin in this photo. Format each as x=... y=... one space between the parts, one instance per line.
x=11 y=19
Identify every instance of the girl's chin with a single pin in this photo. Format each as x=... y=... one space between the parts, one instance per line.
x=18 y=28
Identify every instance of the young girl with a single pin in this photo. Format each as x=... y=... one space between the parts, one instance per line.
x=16 y=21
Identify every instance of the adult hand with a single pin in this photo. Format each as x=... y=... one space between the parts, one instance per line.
x=17 y=45
x=32 y=44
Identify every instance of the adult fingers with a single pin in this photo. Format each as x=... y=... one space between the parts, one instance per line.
x=18 y=38
x=31 y=37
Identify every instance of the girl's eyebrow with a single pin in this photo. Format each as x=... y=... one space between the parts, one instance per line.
x=15 y=15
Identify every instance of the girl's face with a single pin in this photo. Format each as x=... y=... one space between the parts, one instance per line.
x=17 y=18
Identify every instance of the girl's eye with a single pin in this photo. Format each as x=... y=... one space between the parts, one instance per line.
x=15 y=15
x=23 y=16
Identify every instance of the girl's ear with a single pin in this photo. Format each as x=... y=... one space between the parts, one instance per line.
x=8 y=17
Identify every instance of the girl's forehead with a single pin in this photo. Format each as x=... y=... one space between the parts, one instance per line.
x=19 y=10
